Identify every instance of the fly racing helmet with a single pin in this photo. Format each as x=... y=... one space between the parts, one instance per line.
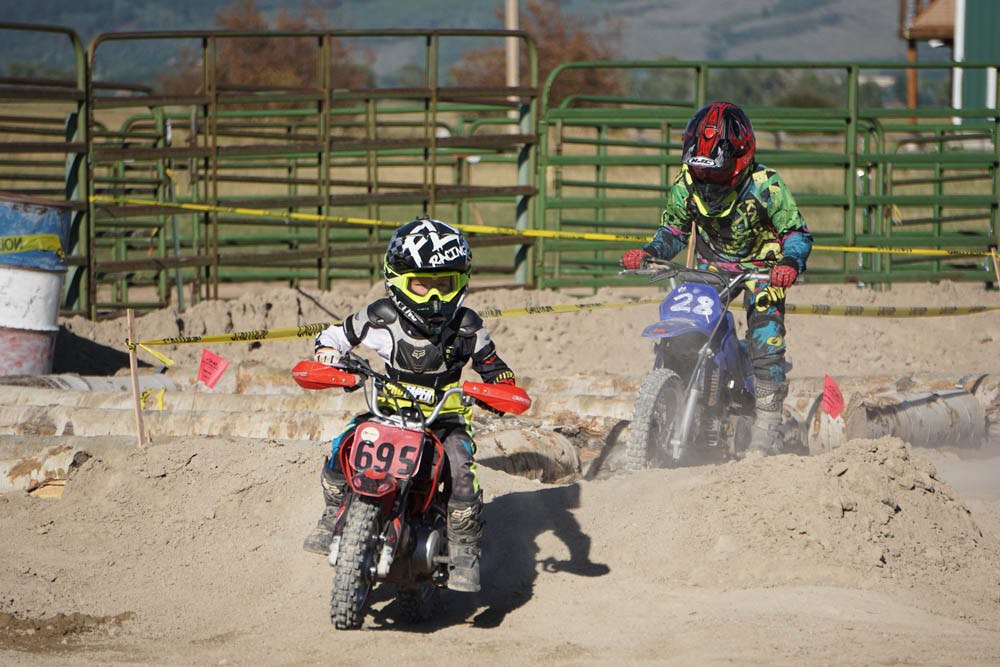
x=427 y=252
x=718 y=149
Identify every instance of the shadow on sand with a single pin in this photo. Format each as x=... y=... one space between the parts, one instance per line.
x=75 y=354
x=510 y=561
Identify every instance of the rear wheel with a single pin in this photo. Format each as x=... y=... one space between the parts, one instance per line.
x=741 y=426
x=419 y=603
x=657 y=407
x=354 y=576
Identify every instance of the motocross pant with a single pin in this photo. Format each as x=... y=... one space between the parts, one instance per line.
x=765 y=308
x=456 y=438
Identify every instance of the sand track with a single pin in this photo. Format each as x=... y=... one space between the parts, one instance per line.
x=188 y=552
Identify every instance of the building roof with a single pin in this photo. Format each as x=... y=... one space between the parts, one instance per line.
x=935 y=21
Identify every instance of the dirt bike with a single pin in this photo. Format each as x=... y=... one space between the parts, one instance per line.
x=697 y=404
x=392 y=524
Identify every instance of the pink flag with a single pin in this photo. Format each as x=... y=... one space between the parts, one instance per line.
x=211 y=369
x=833 y=400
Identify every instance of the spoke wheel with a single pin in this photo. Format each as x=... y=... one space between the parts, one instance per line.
x=354 y=576
x=657 y=407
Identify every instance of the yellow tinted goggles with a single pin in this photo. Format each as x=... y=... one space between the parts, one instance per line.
x=422 y=287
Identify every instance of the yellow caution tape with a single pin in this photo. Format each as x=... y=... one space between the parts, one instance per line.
x=488 y=229
x=492 y=313
x=806 y=309
x=890 y=250
x=164 y=359
x=303 y=331
x=367 y=222
x=149 y=392
x=26 y=242
x=887 y=311
x=310 y=330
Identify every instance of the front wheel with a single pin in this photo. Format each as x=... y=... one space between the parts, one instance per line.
x=657 y=407
x=354 y=576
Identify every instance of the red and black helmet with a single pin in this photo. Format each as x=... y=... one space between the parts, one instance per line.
x=718 y=148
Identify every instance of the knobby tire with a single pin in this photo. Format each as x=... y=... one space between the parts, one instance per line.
x=354 y=575
x=657 y=405
x=418 y=603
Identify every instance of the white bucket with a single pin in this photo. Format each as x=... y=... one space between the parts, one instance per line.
x=29 y=319
x=33 y=239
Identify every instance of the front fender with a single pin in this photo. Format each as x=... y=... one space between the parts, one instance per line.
x=373 y=486
x=675 y=326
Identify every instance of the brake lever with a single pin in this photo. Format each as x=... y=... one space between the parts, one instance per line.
x=662 y=274
x=355 y=364
x=654 y=274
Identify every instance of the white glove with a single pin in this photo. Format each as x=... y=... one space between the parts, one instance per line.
x=327 y=355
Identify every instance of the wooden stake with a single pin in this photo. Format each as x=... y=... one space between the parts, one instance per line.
x=134 y=369
x=996 y=265
x=692 y=240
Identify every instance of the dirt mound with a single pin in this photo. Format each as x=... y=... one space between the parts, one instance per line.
x=198 y=543
x=189 y=551
x=869 y=512
x=601 y=340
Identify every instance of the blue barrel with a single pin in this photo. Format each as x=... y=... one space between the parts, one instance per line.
x=34 y=238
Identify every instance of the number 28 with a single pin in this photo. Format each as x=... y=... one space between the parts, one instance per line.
x=683 y=303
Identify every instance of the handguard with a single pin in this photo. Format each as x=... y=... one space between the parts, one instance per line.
x=503 y=397
x=314 y=375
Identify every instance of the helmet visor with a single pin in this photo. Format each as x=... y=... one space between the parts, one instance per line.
x=714 y=175
x=422 y=287
x=707 y=170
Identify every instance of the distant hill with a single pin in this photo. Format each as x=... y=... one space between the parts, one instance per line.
x=653 y=29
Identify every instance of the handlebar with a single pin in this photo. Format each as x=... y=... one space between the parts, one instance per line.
x=352 y=372
x=662 y=269
x=405 y=418
x=502 y=398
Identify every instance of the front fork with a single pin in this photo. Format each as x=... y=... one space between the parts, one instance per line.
x=388 y=539
x=682 y=433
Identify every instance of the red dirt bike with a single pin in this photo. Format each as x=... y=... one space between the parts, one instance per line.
x=392 y=524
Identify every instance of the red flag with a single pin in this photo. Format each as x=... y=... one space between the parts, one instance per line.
x=211 y=369
x=833 y=400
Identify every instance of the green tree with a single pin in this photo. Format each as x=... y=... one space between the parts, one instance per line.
x=269 y=62
x=559 y=38
x=410 y=76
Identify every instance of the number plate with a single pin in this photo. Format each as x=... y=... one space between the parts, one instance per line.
x=386 y=449
x=683 y=301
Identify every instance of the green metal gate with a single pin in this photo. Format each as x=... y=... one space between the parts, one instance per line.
x=874 y=177
x=176 y=194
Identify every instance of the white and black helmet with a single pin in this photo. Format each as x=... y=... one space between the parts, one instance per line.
x=422 y=252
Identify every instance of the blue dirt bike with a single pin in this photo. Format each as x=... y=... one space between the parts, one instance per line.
x=697 y=404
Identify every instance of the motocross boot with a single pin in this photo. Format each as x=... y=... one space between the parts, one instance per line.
x=465 y=528
x=765 y=435
x=334 y=488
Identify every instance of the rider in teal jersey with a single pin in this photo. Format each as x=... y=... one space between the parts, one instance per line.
x=745 y=216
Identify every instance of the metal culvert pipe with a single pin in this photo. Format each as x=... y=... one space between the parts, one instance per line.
x=923 y=419
x=943 y=418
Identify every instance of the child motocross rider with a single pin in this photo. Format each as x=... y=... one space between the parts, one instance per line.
x=746 y=217
x=425 y=337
